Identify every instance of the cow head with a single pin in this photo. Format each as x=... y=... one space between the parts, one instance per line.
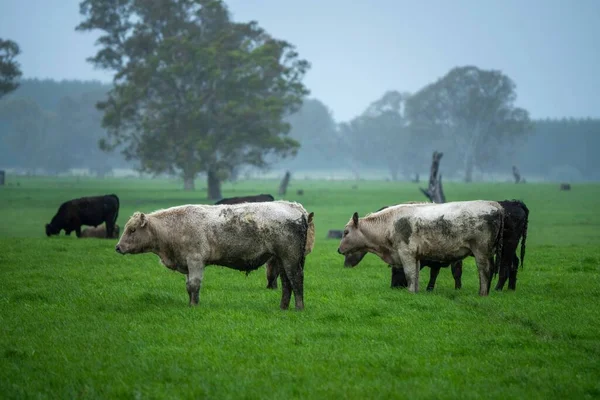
x=137 y=236
x=353 y=239
x=352 y=259
x=51 y=230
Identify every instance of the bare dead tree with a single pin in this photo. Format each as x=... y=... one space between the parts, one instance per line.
x=284 y=183
x=516 y=174
x=435 y=192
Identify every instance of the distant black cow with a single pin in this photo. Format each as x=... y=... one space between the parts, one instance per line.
x=246 y=199
x=91 y=211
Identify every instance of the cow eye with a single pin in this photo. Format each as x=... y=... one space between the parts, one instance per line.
x=132 y=230
x=345 y=232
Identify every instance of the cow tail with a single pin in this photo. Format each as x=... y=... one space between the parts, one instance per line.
x=499 y=243
x=304 y=230
x=524 y=238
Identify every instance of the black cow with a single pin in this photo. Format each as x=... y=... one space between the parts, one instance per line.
x=92 y=211
x=246 y=199
x=516 y=219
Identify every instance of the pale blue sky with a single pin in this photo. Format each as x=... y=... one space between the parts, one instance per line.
x=359 y=49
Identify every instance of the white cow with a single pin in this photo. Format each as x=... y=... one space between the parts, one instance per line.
x=240 y=236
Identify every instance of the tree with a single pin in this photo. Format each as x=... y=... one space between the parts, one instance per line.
x=193 y=91
x=474 y=109
x=28 y=129
x=380 y=135
x=314 y=128
x=10 y=70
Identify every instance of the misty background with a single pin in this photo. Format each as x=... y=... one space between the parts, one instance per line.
x=389 y=82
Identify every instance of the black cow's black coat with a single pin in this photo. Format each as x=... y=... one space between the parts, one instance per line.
x=92 y=211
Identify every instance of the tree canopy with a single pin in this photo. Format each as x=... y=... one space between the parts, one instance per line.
x=193 y=90
x=10 y=71
x=471 y=108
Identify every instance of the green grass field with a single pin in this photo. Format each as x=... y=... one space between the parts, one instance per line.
x=78 y=320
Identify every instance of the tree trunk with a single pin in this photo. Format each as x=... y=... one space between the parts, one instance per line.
x=214 y=186
x=189 y=181
x=284 y=183
x=394 y=171
x=435 y=192
x=469 y=168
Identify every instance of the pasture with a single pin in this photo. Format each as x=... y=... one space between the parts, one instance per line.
x=78 y=320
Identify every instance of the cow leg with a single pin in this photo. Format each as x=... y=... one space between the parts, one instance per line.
x=78 y=231
x=484 y=266
x=411 y=271
x=110 y=228
x=457 y=274
x=502 y=276
x=433 y=274
x=286 y=291
x=512 y=278
x=194 y=280
x=272 y=274
x=398 y=277
x=295 y=273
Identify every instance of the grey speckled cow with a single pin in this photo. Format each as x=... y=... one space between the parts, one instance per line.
x=241 y=236
x=407 y=233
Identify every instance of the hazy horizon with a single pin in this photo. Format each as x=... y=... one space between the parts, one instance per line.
x=549 y=48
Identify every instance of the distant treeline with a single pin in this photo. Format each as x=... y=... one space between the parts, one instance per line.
x=52 y=126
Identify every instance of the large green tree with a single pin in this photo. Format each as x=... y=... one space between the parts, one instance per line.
x=473 y=109
x=194 y=91
x=10 y=70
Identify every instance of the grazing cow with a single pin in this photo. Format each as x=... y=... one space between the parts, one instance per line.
x=246 y=199
x=516 y=216
x=398 y=277
x=273 y=272
x=239 y=236
x=448 y=232
x=92 y=211
x=516 y=219
x=100 y=232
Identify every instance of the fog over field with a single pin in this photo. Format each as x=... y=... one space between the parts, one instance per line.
x=371 y=89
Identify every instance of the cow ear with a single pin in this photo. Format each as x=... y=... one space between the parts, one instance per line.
x=143 y=219
x=355 y=219
x=310 y=217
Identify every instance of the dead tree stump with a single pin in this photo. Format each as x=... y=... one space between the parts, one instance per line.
x=516 y=174
x=284 y=183
x=565 y=186
x=435 y=192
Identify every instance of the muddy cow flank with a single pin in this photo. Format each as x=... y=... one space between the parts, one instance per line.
x=449 y=232
x=100 y=232
x=239 y=236
x=91 y=211
x=246 y=199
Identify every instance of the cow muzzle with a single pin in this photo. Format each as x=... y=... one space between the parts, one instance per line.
x=118 y=249
x=340 y=251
